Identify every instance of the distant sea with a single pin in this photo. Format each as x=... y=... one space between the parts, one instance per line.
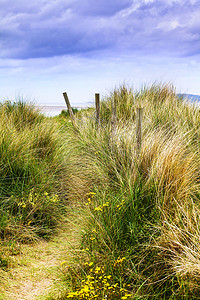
x=192 y=98
x=55 y=110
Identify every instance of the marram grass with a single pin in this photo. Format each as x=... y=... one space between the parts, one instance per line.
x=143 y=208
x=31 y=163
x=137 y=215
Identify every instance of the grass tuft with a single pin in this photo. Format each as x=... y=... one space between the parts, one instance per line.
x=31 y=163
x=137 y=215
x=143 y=209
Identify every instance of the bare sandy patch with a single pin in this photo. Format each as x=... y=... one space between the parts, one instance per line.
x=35 y=271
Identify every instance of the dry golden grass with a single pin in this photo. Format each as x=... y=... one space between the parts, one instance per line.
x=163 y=182
x=146 y=208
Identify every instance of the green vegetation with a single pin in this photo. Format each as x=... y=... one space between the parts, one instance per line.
x=138 y=217
x=31 y=166
x=65 y=113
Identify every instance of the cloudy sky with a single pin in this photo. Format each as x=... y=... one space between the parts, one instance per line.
x=86 y=46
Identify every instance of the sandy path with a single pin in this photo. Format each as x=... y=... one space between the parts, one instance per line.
x=35 y=271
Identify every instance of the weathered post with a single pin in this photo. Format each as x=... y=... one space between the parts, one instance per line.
x=114 y=115
x=97 y=105
x=69 y=109
x=139 y=116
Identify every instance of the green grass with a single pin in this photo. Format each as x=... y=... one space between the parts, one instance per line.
x=145 y=209
x=31 y=166
x=137 y=216
x=65 y=113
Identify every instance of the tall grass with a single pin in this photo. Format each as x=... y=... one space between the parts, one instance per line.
x=138 y=215
x=140 y=219
x=31 y=166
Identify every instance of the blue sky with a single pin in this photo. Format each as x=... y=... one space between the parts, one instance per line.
x=86 y=46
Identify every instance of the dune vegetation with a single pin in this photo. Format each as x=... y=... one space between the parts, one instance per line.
x=137 y=215
x=31 y=173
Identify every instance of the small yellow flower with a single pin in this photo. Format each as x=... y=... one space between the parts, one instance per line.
x=98 y=208
x=90 y=277
x=97 y=270
x=116 y=284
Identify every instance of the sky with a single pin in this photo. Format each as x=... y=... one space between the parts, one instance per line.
x=84 y=47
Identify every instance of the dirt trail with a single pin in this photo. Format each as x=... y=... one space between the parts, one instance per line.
x=36 y=269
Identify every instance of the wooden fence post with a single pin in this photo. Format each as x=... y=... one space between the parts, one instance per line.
x=139 y=116
x=114 y=115
x=97 y=105
x=69 y=109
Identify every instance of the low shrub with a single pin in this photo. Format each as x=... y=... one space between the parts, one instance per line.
x=65 y=113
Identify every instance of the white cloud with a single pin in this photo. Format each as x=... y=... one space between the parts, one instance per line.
x=52 y=28
x=84 y=46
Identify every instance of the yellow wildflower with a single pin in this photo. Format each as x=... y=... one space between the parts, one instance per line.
x=97 y=270
x=98 y=208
